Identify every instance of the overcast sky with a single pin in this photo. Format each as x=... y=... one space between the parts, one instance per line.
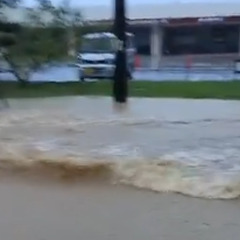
x=108 y=2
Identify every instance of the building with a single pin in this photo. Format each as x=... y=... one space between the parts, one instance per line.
x=178 y=29
x=203 y=30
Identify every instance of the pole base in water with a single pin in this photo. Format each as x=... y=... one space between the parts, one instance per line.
x=120 y=84
x=120 y=108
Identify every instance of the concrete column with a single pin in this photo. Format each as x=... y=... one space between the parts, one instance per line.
x=239 y=40
x=156 y=45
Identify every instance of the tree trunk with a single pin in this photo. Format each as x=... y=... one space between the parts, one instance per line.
x=21 y=75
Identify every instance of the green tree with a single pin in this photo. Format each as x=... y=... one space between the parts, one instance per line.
x=7 y=37
x=70 y=20
x=41 y=41
x=7 y=30
x=8 y=3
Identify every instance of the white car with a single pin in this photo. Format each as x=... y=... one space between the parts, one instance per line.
x=96 y=58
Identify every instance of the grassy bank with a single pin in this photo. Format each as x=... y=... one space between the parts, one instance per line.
x=217 y=90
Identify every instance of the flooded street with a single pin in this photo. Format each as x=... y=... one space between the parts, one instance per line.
x=81 y=167
x=185 y=146
x=65 y=73
x=51 y=211
x=136 y=161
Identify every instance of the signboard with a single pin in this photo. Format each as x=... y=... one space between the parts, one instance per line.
x=164 y=21
x=210 y=19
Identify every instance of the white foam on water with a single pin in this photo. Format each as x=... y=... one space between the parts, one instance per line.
x=191 y=173
x=122 y=144
x=173 y=176
x=161 y=175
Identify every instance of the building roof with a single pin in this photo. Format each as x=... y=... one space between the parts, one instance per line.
x=170 y=10
x=142 y=11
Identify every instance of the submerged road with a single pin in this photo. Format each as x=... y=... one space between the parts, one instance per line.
x=65 y=73
x=165 y=145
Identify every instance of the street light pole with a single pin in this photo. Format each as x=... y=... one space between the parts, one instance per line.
x=120 y=83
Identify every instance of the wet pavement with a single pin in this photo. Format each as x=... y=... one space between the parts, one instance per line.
x=155 y=146
x=66 y=73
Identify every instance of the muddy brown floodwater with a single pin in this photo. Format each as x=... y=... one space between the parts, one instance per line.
x=75 y=168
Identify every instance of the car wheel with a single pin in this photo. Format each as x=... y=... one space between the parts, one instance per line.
x=80 y=76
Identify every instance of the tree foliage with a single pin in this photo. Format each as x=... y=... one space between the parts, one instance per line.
x=9 y=3
x=29 y=47
x=7 y=30
x=7 y=34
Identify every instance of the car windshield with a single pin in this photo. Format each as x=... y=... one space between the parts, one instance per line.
x=103 y=44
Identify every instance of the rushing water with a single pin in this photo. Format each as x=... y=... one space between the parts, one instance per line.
x=186 y=146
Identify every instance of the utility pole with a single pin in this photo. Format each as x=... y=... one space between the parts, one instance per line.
x=70 y=36
x=120 y=83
